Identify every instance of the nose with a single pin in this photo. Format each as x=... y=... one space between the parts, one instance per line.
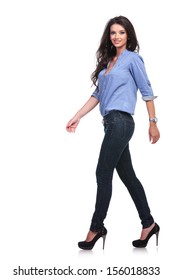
x=117 y=35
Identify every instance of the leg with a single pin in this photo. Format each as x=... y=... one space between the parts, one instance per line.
x=118 y=132
x=135 y=188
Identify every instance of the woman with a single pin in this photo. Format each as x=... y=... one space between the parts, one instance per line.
x=119 y=73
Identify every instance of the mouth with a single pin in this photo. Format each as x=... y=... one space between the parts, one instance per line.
x=116 y=42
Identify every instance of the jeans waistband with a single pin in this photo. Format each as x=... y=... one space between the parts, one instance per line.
x=116 y=112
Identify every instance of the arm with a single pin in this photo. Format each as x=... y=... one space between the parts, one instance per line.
x=140 y=76
x=88 y=106
x=154 y=133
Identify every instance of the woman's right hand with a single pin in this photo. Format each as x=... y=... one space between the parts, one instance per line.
x=72 y=124
x=88 y=106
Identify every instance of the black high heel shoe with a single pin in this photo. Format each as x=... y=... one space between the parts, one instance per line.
x=143 y=243
x=89 y=245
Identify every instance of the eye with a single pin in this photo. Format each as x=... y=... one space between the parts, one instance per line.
x=112 y=32
x=122 y=32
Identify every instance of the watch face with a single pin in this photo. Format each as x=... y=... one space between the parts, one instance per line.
x=153 y=119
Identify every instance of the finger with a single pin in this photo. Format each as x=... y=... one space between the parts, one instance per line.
x=68 y=128
x=71 y=129
x=154 y=140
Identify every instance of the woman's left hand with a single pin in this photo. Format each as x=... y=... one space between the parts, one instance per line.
x=154 y=133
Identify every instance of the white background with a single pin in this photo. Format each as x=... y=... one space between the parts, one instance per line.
x=47 y=176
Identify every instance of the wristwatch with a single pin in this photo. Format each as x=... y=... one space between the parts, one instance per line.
x=155 y=120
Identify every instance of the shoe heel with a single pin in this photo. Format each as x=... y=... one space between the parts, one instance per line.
x=104 y=238
x=143 y=243
x=157 y=238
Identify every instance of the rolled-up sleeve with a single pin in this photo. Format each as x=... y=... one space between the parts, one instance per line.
x=147 y=98
x=140 y=77
x=95 y=94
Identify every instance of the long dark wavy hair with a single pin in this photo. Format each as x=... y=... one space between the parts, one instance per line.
x=107 y=51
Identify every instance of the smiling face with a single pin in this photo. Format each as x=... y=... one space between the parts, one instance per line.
x=118 y=37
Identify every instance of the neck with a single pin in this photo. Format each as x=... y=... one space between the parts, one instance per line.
x=119 y=52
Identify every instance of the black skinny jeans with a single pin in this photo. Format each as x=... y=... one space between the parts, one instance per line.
x=114 y=153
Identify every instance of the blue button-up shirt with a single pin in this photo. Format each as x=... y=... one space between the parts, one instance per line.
x=117 y=90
